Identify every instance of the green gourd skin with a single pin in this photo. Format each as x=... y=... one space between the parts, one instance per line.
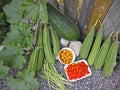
x=96 y=46
x=100 y=58
x=47 y=45
x=40 y=56
x=63 y=26
x=87 y=44
x=56 y=42
x=32 y=63
x=110 y=60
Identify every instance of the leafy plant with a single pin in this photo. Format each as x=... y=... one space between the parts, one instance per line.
x=22 y=35
x=35 y=10
x=3 y=69
x=19 y=37
x=14 y=11
x=24 y=81
x=4 y=26
x=12 y=56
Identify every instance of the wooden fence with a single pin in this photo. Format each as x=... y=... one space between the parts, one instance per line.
x=85 y=12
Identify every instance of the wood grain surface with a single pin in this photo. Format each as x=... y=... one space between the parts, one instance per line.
x=100 y=9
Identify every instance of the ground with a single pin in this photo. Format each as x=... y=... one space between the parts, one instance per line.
x=96 y=81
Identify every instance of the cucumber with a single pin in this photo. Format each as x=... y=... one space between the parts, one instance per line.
x=63 y=26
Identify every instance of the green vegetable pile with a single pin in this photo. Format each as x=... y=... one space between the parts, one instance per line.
x=100 y=55
x=31 y=31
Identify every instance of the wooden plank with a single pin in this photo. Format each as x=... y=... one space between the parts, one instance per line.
x=112 y=21
x=70 y=9
x=61 y=5
x=53 y=2
x=85 y=12
x=80 y=2
x=100 y=8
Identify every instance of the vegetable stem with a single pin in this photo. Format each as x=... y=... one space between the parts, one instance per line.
x=54 y=79
x=116 y=35
x=96 y=21
x=111 y=33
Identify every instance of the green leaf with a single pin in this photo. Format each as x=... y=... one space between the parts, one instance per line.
x=30 y=10
x=13 y=11
x=19 y=35
x=43 y=15
x=35 y=11
x=24 y=81
x=27 y=8
x=3 y=70
x=18 y=62
x=2 y=19
x=30 y=80
x=13 y=37
x=12 y=56
x=15 y=84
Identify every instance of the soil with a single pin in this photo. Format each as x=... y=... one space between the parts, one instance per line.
x=96 y=81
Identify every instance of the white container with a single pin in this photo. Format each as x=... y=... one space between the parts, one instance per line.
x=81 y=77
x=66 y=48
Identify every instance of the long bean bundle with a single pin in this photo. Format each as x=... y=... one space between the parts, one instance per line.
x=54 y=79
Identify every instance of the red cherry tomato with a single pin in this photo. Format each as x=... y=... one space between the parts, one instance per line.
x=77 y=70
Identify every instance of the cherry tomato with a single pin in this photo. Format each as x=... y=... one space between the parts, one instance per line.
x=77 y=70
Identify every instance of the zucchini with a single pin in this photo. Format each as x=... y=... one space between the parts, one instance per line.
x=63 y=26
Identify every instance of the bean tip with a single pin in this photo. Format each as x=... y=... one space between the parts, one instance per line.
x=97 y=20
x=112 y=33
x=116 y=35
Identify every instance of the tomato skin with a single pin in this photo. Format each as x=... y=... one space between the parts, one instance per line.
x=70 y=77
